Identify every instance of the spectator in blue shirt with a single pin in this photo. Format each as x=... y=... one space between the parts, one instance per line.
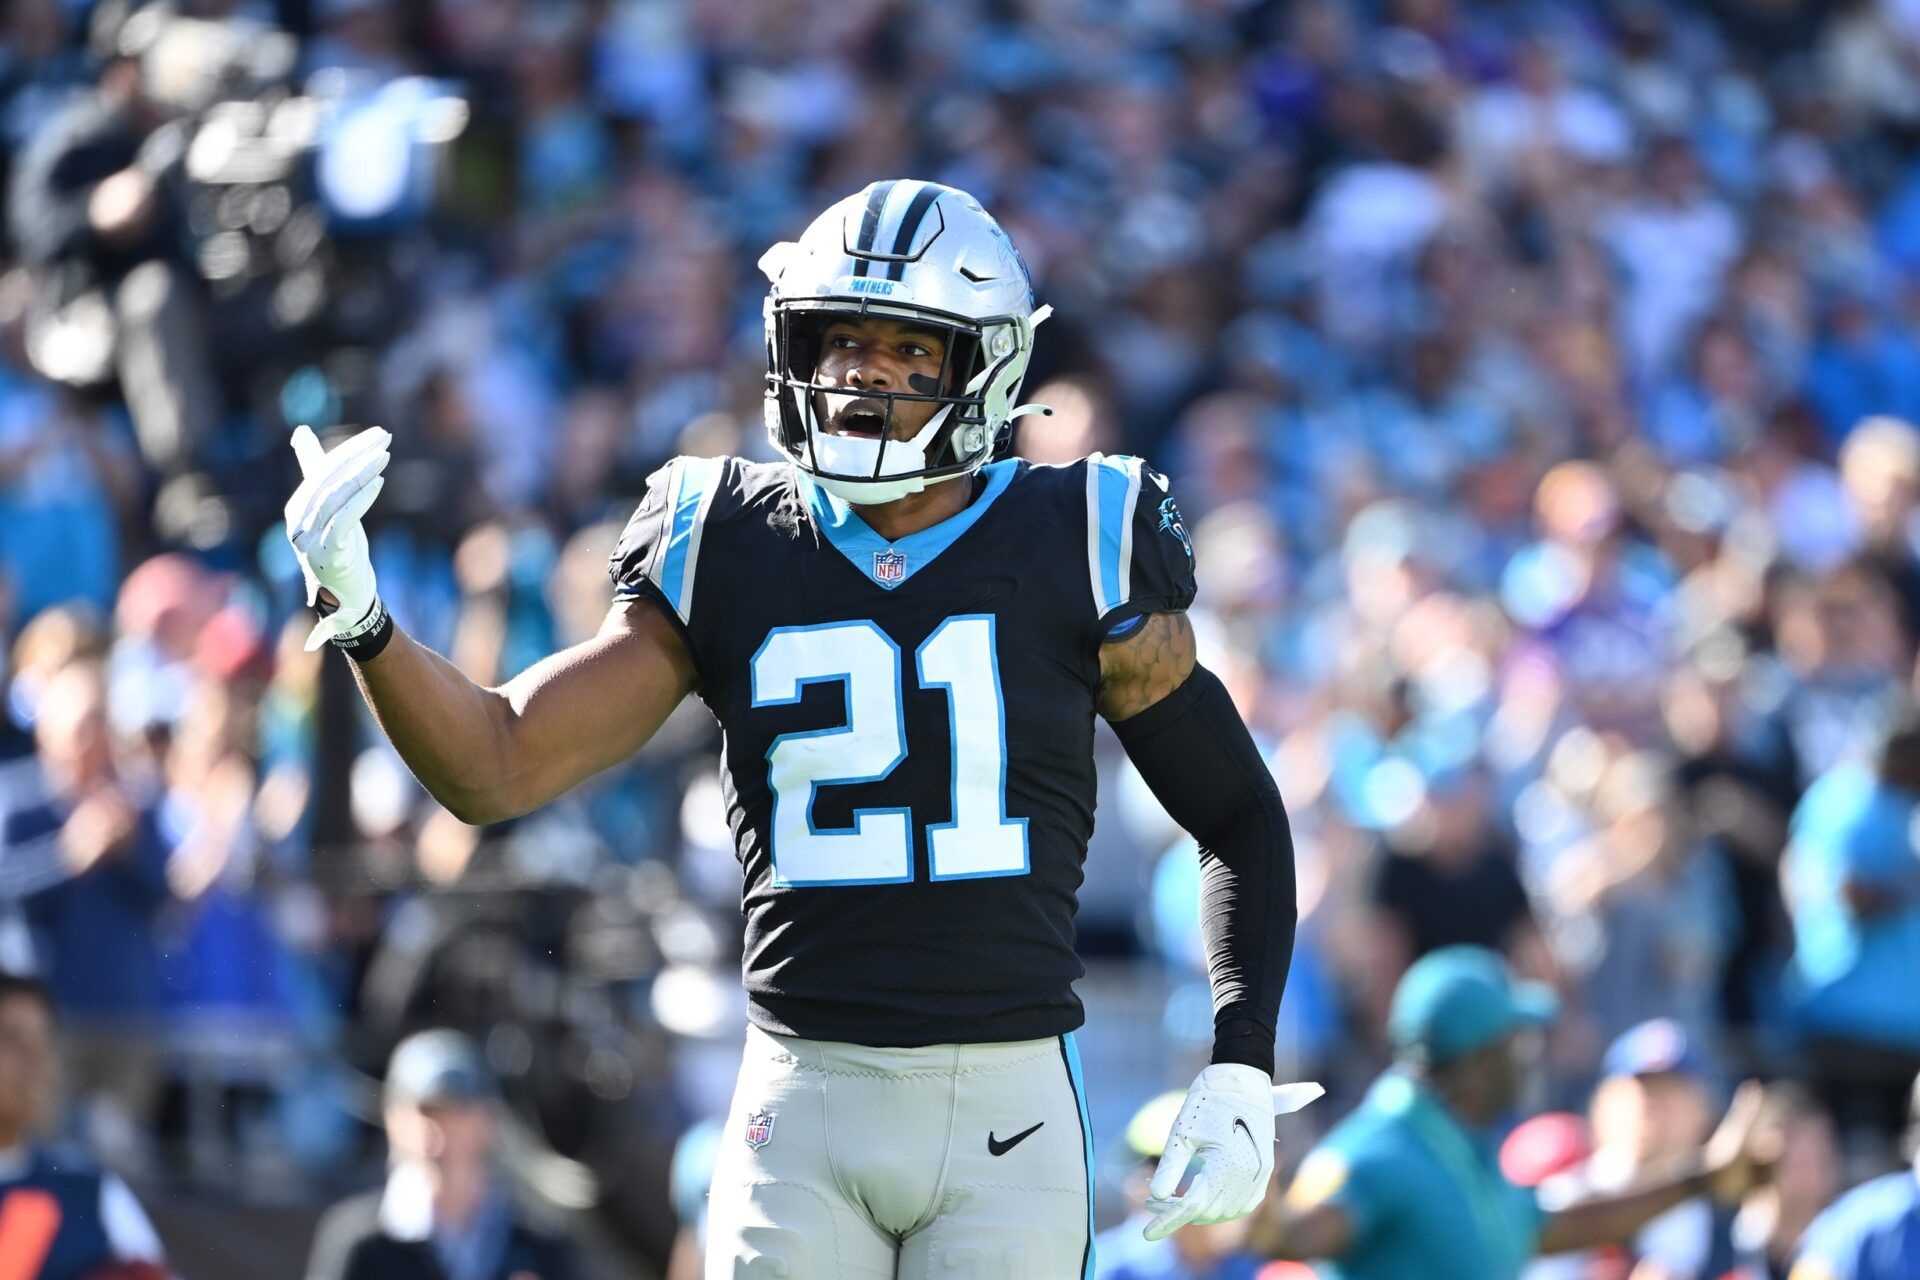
x=1872 y=1232
x=92 y=847
x=1866 y=363
x=1652 y=1103
x=1853 y=889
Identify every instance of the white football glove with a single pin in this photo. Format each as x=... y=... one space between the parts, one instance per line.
x=1227 y=1122
x=323 y=524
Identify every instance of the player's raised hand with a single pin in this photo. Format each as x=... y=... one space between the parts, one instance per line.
x=1227 y=1124
x=323 y=523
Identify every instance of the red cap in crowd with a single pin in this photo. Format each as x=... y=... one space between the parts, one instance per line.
x=1543 y=1146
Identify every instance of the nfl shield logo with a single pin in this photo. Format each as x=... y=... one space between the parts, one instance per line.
x=889 y=567
x=759 y=1129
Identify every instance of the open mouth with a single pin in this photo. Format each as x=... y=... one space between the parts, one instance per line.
x=862 y=418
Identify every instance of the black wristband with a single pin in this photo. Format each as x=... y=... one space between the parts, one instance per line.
x=364 y=642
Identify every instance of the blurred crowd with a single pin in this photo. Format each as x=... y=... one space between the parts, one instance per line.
x=1539 y=377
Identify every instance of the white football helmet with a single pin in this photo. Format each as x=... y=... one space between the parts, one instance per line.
x=916 y=251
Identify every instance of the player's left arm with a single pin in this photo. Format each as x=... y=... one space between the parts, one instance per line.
x=1182 y=731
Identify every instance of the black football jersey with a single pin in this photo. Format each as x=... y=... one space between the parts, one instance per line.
x=908 y=728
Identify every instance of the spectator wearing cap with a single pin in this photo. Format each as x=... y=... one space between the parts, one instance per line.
x=443 y=1214
x=1651 y=1106
x=1410 y=1183
x=1872 y=1232
x=1853 y=890
x=1216 y=1252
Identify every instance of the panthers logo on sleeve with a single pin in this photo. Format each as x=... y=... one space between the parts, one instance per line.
x=1170 y=519
x=1171 y=522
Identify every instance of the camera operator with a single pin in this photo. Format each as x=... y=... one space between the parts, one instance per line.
x=98 y=225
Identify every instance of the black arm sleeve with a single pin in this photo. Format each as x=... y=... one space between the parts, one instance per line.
x=1201 y=763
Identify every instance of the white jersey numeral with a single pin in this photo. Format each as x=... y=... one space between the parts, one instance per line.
x=960 y=658
x=869 y=746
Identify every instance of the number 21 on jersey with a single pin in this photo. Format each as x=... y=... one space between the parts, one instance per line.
x=959 y=658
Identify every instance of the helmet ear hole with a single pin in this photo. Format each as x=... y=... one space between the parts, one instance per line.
x=963 y=435
x=963 y=362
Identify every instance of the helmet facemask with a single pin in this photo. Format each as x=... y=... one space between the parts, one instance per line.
x=955 y=440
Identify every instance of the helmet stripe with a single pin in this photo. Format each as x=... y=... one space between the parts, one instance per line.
x=870 y=224
x=909 y=224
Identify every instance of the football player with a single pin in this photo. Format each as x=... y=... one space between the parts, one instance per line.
x=905 y=643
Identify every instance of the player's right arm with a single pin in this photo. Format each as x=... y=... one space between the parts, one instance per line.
x=487 y=754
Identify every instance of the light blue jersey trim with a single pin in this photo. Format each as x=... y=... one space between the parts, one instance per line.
x=694 y=483
x=1078 y=1079
x=841 y=522
x=1113 y=489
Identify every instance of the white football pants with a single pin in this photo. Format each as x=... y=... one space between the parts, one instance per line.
x=961 y=1162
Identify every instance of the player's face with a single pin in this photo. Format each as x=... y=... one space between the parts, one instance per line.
x=867 y=354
